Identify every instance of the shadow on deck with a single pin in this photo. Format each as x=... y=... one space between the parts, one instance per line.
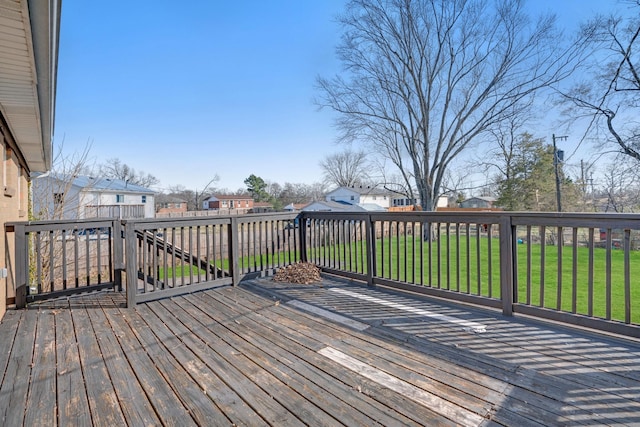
x=334 y=353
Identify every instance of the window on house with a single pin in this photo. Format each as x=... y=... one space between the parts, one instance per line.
x=224 y=203
x=353 y=197
x=58 y=199
x=119 y=198
x=144 y=199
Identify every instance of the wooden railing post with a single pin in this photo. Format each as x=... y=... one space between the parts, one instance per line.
x=302 y=237
x=234 y=252
x=21 y=265
x=507 y=264
x=130 y=242
x=118 y=254
x=370 y=233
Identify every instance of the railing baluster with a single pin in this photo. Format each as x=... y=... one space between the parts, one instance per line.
x=468 y=236
x=63 y=235
x=490 y=260
x=559 y=243
x=590 y=274
x=543 y=247
x=448 y=234
x=627 y=276
x=574 y=271
x=478 y=260
x=529 y=284
x=39 y=257
x=608 y=276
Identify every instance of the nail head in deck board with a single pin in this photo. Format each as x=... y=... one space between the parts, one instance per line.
x=222 y=405
x=73 y=406
x=103 y=402
x=159 y=393
x=41 y=400
x=261 y=402
x=16 y=377
x=285 y=363
x=254 y=369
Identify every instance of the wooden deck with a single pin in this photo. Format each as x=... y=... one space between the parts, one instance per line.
x=332 y=354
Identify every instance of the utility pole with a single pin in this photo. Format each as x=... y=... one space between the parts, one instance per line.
x=556 y=159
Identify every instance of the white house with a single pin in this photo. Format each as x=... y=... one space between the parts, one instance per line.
x=82 y=197
x=364 y=196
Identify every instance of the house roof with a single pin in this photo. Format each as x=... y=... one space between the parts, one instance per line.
x=323 y=205
x=230 y=197
x=295 y=206
x=98 y=184
x=30 y=33
x=363 y=190
x=371 y=207
x=485 y=198
x=108 y=184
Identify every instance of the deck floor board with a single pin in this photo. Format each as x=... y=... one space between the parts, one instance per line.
x=244 y=356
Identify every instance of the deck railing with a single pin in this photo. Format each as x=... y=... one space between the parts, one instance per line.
x=56 y=258
x=582 y=269
x=166 y=257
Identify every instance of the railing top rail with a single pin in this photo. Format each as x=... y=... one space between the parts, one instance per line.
x=203 y=220
x=524 y=218
x=268 y=216
x=71 y=224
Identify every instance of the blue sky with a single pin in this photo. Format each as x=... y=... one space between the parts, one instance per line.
x=188 y=90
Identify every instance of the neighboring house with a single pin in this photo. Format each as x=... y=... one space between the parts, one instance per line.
x=82 y=197
x=478 y=202
x=329 y=206
x=262 y=207
x=28 y=67
x=243 y=202
x=360 y=195
x=166 y=204
x=294 y=207
x=400 y=200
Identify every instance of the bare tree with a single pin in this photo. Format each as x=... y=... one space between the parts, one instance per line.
x=611 y=98
x=52 y=193
x=345 y=169
x=424 y=79
x=115 y=169
x=621 y=189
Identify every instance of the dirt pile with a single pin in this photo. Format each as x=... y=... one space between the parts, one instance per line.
x=303 y=273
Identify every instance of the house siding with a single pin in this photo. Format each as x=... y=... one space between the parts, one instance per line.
x=13 y=207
